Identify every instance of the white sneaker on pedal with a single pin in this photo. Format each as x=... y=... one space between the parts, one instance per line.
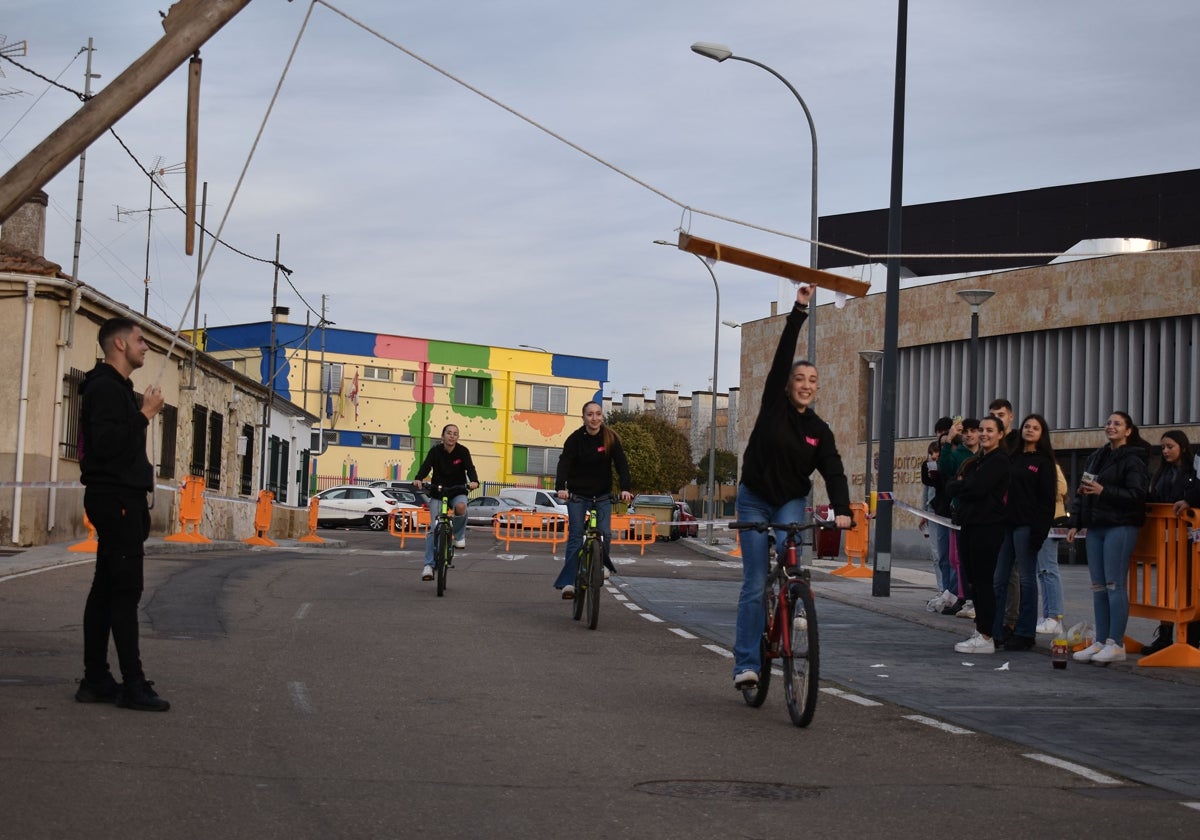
x=745 y=680
x=568 y=592
x=427 y=573
x=460 y=543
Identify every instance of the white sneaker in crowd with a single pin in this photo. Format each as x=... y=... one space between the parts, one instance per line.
x=1050 y=626
x=1111 y=652
x=976 y=644
x=1088 y=652
x=427 y=573
x=968 y=611
x=940 y=601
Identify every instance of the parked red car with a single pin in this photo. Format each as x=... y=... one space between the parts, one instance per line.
x=686 y=515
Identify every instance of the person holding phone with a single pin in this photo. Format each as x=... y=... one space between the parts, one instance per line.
x=1111 y=504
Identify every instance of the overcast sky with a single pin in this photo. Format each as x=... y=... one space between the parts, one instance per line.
x=421 y=208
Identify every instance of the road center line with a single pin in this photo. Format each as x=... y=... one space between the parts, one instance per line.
x=679 y=631
x=720 y=650
x=651 y=617
x=1077 y=769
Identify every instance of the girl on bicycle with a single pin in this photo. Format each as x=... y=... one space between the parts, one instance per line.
x=451 y=465
x=585 y=469
x=789 y=441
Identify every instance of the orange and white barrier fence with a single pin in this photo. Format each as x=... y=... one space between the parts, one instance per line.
x=634 y=529
x=857 y=541
x=314 y=514
x=1164 y=582
x=409 y=524
x=518 y=526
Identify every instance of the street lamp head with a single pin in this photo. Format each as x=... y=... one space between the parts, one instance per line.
x=975 y=297
x=871 y=357
x=732 y=324
x=717 y=52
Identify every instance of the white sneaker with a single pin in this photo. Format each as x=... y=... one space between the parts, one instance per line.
x=1111 y=652
x=568 y=592
x=968 y=610
x=745 y=680
x=976 y=644
x=427 y=573
x=1050 y=626
x=460 y=543
x=938 y=602
x=1088 y=652
x=606 y=573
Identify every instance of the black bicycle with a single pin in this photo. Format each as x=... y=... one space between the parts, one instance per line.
x=790 y=634
x=589 y=572
x=443 y=533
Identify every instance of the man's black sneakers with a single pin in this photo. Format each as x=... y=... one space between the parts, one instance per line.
x=139 y=694
x=103 y=691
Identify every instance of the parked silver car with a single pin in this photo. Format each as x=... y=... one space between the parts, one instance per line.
x=481 y=510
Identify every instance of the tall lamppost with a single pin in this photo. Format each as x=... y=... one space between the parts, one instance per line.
x=720 y=52
x=712 y=424
x=872 y=358
x=975 y=298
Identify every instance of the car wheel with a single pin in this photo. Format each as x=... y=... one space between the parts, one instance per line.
x=377 y=521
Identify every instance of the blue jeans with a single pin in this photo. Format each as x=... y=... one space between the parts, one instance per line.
x=751 y=617
x=1108 y=553
x=576 y=513
x=1016 y=549
x=1050 y=579
x=946 y=573
x=460 y=524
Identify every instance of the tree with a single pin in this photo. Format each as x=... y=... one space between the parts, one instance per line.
x=725 y=471
x=641 y=454
x=671 y=450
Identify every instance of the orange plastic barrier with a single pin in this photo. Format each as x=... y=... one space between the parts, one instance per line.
x=262 y=520
x=90 y=544
x=634 y=529
x=857 y=540
x=1164 y=582
x=191 y=512
x=314 y=506
x=516 y=526
x=407 y=524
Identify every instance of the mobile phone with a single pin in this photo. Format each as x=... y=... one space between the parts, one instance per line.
x=1088 y=477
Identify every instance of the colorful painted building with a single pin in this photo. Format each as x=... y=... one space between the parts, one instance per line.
x=383 y=399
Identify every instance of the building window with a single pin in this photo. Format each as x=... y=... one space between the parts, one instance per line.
x=331 y=385
x=404 y=442
x=277 y=469
x=216 y=431
x=471 y=390
x=377 y=373
x=170 y=434
x=439 y=379
x=247 y=459
x=199 y=440
x=69 y=445
x=549 y=398
x=535 y=460
x=376 y=441
x=408 y=377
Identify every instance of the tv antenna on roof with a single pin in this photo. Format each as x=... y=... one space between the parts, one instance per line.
x=156 y=173
x=7 y=50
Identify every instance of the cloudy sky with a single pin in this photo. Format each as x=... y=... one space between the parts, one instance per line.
x=419 y=207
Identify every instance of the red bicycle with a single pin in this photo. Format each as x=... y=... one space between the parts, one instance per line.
x=790 y=634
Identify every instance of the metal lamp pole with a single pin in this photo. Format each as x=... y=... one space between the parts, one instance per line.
x=872 y=358
x=975 y=298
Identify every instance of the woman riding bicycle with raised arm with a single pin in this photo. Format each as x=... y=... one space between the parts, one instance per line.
x=452 y=466
x=789 y=441
x=585 y=471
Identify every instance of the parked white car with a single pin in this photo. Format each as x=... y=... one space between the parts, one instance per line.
x=531 y=498
x=348 y=504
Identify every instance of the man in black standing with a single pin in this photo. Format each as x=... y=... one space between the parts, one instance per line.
x=117 y=476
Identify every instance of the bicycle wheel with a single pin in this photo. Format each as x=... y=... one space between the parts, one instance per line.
x=581 y=578
x=595 y=582
x=443 y=553
x=757 y=696
x=801 y=671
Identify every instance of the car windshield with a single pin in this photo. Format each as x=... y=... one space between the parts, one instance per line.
x=654 y=500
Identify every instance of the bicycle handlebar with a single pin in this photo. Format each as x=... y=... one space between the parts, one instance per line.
x=791 y=527
x=592 y=500
x=446 y=491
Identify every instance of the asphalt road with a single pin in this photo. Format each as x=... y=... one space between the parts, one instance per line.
x=329 y=693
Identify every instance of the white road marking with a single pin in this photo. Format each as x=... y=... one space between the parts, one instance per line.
x=677 y=562
x=718 y=649
x=619 y=596
x=679 y=631
x=1195 y=806
x=729 y=564
x=356 y=572
x=299 y=695
x=937 y=724
x=853 y=698
x=303 y=611
x=651 y=617
x=1077 y=769
x=633 y=606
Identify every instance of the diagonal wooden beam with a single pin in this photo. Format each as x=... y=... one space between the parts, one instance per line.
x=770 y=265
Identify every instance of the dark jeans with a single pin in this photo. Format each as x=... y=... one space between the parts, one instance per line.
x=122 y=522
x=978 y=548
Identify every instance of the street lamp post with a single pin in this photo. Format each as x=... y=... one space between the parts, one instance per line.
x=975 y=298
x=712 y=424
x=872 y=358
x=719 y=52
